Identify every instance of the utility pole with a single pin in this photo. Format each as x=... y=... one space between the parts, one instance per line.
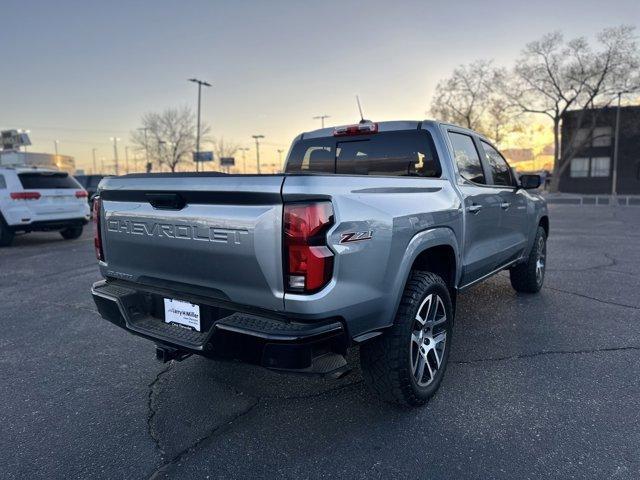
x=321 y=118
x=115 y=152
x=93 y=153
x=55 y=146
x=244 y=158
x=200 y=84
x=614 y=173
x=257 y=139
x=126 y=159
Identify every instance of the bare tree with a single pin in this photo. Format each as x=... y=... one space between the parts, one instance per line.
x=169 y=137
x=469 y=98
x=553 y=76
x=224 y=148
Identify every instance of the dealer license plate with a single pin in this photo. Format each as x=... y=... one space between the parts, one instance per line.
x=181 y=313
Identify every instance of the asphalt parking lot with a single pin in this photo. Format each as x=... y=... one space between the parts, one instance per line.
x=538 y=386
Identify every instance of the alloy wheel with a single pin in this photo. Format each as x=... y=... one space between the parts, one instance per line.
x=428 y=339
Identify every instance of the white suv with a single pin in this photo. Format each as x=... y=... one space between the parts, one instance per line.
x=37 y=199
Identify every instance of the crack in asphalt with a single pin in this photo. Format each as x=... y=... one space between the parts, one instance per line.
x=625 y=305
x=545 y=352
x=151 y=406
x=166 y=467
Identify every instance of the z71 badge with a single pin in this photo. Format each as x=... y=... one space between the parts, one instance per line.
x=356 y=236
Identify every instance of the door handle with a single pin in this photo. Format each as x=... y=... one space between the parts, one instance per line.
x=505 y=205
x=475 y=208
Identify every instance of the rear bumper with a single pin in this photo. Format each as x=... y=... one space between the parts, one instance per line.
x=271 y=342
x=49 y=225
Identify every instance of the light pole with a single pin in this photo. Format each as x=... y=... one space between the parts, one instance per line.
x=280 y=157
x=146 y=148
x=614 y=173
x=102 y=165
x=200 y=84
x=93 y=153
x=115 y=152
x=257 y=139
x=244 y=158
x=321 y=118
x=126 y=159
x=55 y=146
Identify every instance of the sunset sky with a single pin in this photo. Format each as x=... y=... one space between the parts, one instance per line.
x=84 y=71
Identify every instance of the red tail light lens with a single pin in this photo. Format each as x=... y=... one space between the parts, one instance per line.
x=308 y=260
x=81 y=194
x=25 y=195
x=97 y=234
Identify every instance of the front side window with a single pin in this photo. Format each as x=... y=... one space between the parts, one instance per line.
x=467 y=158
x=499 y=167
x=400 y=153
x=600 y=166
x=579 y=167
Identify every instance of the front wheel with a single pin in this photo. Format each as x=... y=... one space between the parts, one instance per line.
x=71 y=233
x=528 y=277
x=406 y=364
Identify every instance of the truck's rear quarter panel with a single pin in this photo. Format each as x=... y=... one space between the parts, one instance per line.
x=367 y=273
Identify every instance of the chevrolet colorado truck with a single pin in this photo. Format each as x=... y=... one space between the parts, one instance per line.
x=364 y=241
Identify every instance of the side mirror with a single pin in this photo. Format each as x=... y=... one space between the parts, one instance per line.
x=530 y=182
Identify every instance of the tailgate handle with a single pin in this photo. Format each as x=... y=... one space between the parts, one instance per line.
x=166 y=201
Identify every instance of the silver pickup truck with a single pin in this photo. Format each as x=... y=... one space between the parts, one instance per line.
x=365 y=241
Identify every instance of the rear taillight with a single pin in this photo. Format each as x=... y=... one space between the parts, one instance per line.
x=97 y=234
x=81 y=194
x=308 y=261
x=25 y=195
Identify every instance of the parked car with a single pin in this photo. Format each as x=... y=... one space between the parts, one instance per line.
x=90 y=184
x=365 y=241
x=37 y=199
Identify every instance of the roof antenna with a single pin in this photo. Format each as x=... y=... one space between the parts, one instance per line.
x=362 y=120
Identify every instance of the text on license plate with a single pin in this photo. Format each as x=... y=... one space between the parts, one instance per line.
x=182 y=313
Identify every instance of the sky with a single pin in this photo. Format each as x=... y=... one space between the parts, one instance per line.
x=84 y=71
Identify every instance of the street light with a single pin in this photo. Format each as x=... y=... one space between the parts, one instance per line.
x=200 y=84
x=115 y=151
x=55 y=146
x=244 y=158
x=257 y=139
x=321 y=118
x=614 y=174
x=93 y=152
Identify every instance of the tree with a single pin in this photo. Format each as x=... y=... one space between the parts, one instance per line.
x=168 y=137
x=469 y=98
x=552 y=77
x=222 y=148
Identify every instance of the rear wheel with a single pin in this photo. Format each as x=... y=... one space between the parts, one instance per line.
x=6 y=234
x=71 y=233
x=528 y=277
x=406 y=364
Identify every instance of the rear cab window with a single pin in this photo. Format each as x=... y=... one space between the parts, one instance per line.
x=403 y=153
x=47 y=180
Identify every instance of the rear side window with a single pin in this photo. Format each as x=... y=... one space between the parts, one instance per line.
x=499 y=167
x=3 y=182
x=467 y=158
x=401 y=153
x=47 y=180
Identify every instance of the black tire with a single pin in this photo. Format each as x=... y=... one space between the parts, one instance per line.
x=389 y=361
x=6 y=234
x=71 y=233
x=528 y=277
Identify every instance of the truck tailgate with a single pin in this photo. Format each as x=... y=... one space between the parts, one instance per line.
x=220 y=234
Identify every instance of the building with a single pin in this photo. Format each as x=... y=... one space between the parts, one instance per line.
x=588 y=137
x=60 y=162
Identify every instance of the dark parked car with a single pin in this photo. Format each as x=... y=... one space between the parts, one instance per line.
x=90 y=184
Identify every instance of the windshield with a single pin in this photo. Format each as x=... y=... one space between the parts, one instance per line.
x=400 y=153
